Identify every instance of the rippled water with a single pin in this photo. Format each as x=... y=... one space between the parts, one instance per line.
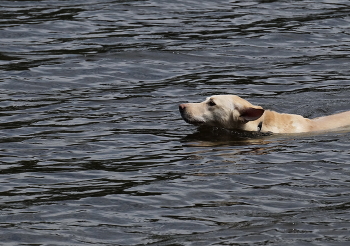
x=94 y=151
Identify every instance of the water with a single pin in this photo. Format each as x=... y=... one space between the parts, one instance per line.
x=94 y=151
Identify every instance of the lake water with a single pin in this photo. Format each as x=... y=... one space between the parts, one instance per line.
x=94 y=150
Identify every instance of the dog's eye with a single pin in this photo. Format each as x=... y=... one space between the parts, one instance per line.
x=211 y=103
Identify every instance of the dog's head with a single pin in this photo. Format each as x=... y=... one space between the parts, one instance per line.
x=227 y=111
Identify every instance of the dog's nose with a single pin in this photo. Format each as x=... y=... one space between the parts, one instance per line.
x=182 y=107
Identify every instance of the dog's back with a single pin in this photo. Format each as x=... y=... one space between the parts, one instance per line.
x=331 y=122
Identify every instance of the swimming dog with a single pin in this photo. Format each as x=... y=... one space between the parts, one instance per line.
x=235 y=113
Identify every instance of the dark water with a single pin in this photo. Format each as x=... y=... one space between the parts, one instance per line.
x=94 y=151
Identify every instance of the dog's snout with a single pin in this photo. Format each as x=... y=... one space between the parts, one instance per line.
x=182 y=107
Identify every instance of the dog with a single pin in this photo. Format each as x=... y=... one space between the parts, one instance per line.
x=235 y=113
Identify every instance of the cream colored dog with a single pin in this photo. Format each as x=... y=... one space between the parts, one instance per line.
x=233 y=112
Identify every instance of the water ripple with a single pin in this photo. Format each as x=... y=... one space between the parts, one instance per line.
x=94 y=151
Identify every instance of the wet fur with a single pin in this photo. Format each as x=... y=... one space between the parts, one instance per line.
x=233 y=112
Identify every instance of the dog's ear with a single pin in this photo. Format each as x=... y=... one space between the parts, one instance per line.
x=251 y=114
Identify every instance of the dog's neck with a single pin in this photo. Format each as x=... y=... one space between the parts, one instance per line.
x=253 y=126
x=259 y=128
x=272 y=121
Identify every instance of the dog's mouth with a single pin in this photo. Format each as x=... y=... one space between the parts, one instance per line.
x=194 y=122
x=191 y=120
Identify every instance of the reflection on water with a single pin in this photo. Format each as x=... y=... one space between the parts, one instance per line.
x=216 y=134
x=94 y=151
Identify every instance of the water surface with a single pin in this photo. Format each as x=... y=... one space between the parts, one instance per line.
x=94 y=151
